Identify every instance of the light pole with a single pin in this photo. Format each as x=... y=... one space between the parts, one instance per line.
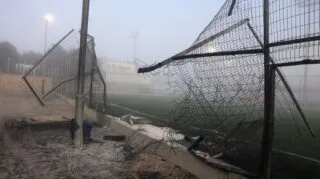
x=48 y=18
x=135 y=36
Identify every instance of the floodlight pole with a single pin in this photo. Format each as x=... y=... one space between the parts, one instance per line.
x=135 y=36
x=269 y=95
x=79 y=107
x=46 y=23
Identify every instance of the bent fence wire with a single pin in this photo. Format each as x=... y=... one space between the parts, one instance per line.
x=219 y=83
x=56 y=72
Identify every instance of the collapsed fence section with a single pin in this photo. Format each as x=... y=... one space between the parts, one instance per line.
x=220 y=82
x=58 y=71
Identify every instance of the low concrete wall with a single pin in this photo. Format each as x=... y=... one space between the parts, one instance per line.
x=15 y=83
x=178 y=157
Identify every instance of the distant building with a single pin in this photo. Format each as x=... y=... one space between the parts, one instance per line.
x=122 y=77
x=22 y=68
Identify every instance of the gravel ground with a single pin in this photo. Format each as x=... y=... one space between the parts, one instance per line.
x=47 y=152
x=26 y=152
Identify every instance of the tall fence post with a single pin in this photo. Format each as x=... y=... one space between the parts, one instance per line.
x=79 y=108
x=268 y=129
x=269 y=89
x=101 y=78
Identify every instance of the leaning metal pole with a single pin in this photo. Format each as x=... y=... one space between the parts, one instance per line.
x=266 y=146
x=193 y=47
x=102 y=80
x=79 y=108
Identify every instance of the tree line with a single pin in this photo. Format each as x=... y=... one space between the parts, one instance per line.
x=10 y=57
x=59 y=59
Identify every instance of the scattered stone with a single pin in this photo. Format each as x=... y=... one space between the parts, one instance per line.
x=114 y=137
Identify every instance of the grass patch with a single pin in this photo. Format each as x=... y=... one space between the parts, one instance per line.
x=287 y=137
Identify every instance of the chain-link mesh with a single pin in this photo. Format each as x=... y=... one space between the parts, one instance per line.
x=219 y=82
x=56 y=73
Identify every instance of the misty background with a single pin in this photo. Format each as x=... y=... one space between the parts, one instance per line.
x=165 y=27
x=161 y=29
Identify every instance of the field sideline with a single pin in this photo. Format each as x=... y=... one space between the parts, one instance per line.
x=287 y=138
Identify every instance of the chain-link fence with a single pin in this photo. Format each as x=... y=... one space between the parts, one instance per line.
x=56 y=72
x=219 y=84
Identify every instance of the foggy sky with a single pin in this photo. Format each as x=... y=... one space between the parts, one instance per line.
x=165 y=26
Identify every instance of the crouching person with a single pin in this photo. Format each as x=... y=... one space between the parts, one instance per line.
x=87 y=127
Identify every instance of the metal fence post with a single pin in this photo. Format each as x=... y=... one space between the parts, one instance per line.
x=79 y=108
x=268 y=129
x=269 y=89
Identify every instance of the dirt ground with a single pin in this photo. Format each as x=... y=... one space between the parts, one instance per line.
x=32 y=151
